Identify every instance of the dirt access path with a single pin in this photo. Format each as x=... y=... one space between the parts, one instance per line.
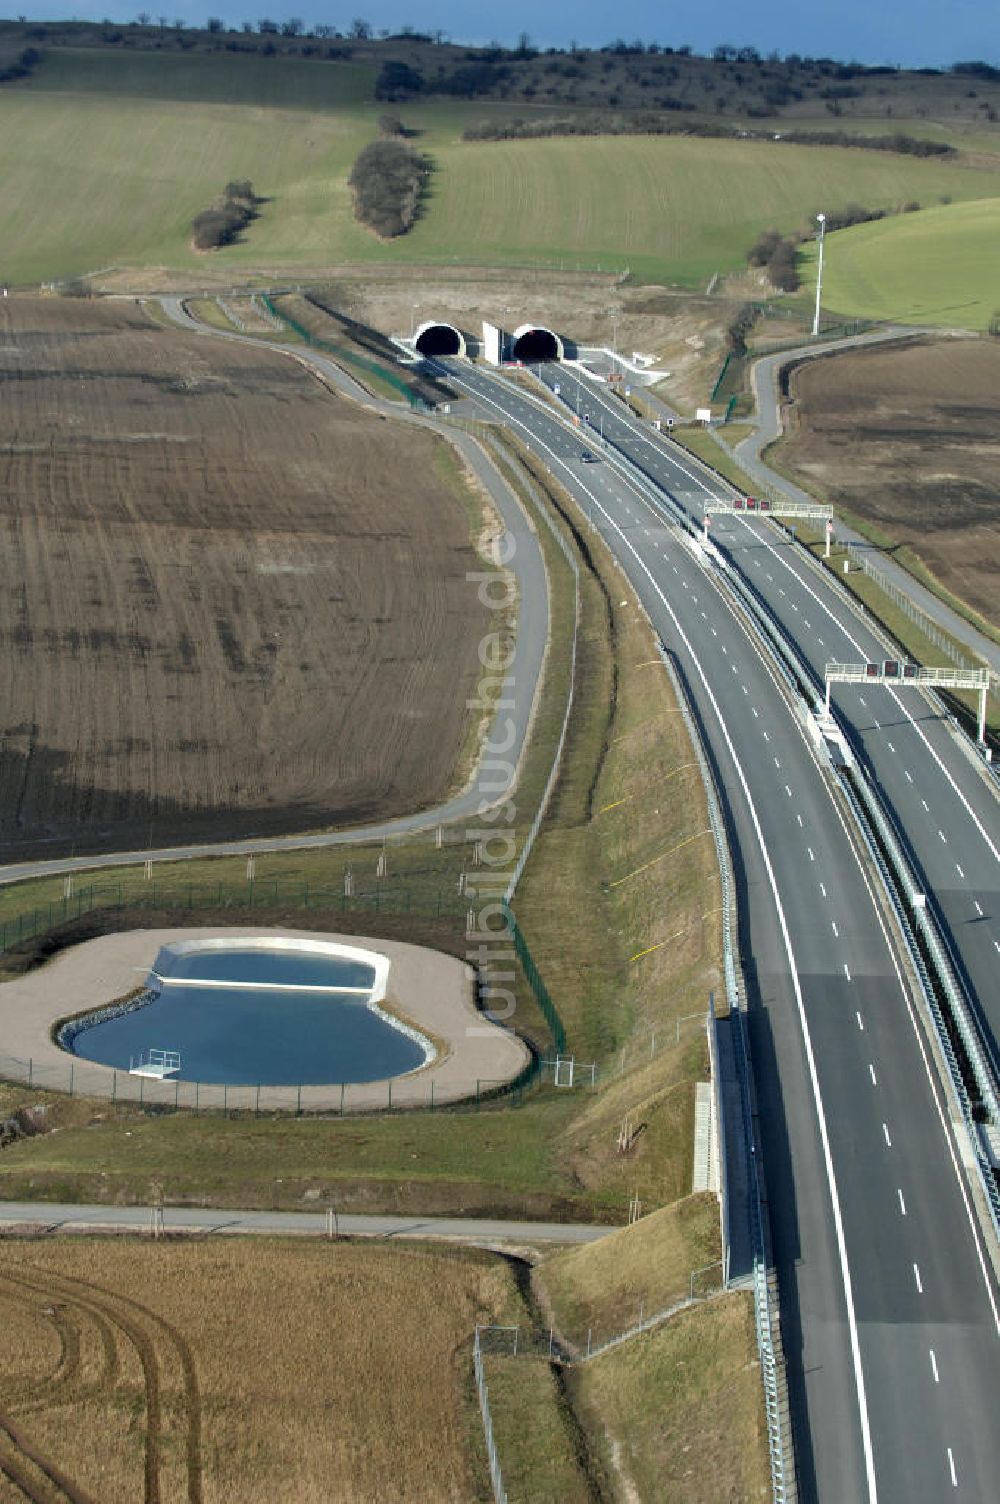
x=231 y=603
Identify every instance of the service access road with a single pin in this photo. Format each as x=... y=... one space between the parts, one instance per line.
x=889 y=1308
x=54 y=1217
x=766 y=376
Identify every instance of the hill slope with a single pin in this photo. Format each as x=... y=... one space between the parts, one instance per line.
x=938 y=267
x=107 y=155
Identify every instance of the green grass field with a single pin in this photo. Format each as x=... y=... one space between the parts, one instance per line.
x=106 y=156
x=939 y=267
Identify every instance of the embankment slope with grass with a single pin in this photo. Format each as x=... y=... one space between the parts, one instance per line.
x=937 y=267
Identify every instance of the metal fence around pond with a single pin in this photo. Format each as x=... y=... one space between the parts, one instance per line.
x=432 y=902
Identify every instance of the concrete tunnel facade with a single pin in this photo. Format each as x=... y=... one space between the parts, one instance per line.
x=532 y=343
x=435 y=338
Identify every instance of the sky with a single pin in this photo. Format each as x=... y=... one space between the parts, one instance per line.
x=919 y=33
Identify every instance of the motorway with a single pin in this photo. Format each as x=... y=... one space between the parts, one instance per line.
x=889 y=1305
x=942 y=801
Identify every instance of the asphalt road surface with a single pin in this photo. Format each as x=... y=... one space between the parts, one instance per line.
x=889 y=1308
x=53 y=1217
x=944 y=803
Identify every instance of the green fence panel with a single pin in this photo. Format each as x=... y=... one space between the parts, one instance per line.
x=541 y=993
x=316 y=343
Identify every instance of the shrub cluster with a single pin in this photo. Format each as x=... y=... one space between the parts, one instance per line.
x=228 y=216
x=776 y=253
x=397 y=81
x=739 y=327
x=22 y=65
x=387 y=181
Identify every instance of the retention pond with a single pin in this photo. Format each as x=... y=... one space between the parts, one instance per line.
x=247 y=1012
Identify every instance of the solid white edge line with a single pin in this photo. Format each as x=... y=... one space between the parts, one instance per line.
x=701 y=484
x=831 y=1178
x=946 y=1127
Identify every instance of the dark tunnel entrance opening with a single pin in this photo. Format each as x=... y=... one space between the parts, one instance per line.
x=440 y=339
x=536 y=345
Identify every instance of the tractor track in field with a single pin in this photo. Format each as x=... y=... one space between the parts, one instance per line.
x=105 y=1308
x=20 y=1461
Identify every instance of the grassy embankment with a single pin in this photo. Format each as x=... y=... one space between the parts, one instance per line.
x=679 y=1409
x=915 y=643
x=653 y=1407
x=108 y=155
x=937 y=267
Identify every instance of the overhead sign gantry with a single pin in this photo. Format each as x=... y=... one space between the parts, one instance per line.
x=896 y=672
x=769 y=506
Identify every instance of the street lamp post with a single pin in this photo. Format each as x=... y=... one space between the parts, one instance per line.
x=821 y=219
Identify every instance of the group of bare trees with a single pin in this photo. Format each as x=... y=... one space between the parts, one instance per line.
x=388 y=180
x=228 y=216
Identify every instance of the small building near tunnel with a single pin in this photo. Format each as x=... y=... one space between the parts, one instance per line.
x=435 y=338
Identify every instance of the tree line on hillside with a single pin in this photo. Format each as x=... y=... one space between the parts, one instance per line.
x=223 y=223
x=388 y=180
x=648 y=123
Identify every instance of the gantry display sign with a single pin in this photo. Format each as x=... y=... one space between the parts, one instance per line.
x=770 y=507
x=896 y=672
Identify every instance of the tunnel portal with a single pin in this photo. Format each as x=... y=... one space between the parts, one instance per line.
x=532 y=344
x=439 y=339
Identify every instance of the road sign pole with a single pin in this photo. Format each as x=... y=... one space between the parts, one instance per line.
x=982 y=716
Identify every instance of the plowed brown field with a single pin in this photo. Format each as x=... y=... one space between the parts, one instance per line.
x=230 y=602
x=209 y=1372
x=909 y=439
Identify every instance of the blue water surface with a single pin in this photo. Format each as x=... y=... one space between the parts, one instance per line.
x=238 y=1038
x=312 y=968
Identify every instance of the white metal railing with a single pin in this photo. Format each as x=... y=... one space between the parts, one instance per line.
x=496 y=1476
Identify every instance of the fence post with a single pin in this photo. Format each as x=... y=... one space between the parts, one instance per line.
x=298 y=1100
x=341 y=1099
x=390 y=1093
x=256 y=1105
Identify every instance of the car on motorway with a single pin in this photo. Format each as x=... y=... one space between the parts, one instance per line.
x=588 y=456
